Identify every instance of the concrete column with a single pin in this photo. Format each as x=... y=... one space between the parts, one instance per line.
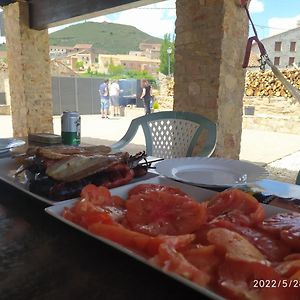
x=210 y=43
x=29 y=72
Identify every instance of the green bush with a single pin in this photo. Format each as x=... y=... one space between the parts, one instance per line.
x=155 y=105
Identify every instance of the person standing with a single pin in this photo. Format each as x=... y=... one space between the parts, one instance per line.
x=104 y=99
x=146 y=95
x=114 y=92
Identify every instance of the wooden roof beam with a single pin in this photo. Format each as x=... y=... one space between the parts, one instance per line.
x=50 y=13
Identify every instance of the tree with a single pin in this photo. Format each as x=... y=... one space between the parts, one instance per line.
x=164 y=56
x=79 y=64
x=115 y=70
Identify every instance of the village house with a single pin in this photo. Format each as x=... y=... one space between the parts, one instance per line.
x=131 y=62
x=283 y=49
x=58 y=51
x=150 y=50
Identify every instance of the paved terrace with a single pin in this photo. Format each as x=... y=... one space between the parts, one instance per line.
x=279 y=152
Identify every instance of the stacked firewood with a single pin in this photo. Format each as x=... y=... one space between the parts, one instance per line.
x=166 y=85
x=265 y=84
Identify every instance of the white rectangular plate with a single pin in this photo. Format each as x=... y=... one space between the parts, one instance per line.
x=198 y=193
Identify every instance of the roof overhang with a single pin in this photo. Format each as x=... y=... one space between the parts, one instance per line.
x=49 y=13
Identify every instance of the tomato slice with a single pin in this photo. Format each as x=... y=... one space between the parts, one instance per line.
x=296 y=279
x=235 y=246
x=293 y=256
x=139 y=242
x=92 y=217
x=101 y=196
x=285 y=225
x=271 y=247
x=235 y=206
x=169 y=259
x=288 y=268
x=71 y=216
x=159 y=212
x=247 y=280
x=146 y=188
x=205 y=258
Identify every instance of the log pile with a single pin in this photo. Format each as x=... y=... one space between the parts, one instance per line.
x=166 y=85
x=265 y=84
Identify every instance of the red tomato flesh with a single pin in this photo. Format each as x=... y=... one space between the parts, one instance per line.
x=285 y=225
x=237 y=207
x=270 y=246
x=146 y=188
x=159 y=212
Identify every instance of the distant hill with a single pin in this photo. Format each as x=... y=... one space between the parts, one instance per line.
x=108 y=37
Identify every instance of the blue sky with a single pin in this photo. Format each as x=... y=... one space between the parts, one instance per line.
x=274 y=16
x=270 y=16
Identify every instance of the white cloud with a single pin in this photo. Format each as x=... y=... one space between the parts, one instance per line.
x=156 y=19
x=256 y=6
x=279 y=25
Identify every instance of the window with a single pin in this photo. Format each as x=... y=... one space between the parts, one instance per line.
x=291 y=60
x=293 y=46
x=277 y=46
x=277 y=61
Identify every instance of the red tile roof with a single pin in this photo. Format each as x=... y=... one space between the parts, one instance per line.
x=83 y=46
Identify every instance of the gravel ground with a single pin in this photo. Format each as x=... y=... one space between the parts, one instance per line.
x=282 y=174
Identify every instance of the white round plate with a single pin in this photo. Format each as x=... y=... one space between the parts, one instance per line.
x=9 y=143
x=211 y=172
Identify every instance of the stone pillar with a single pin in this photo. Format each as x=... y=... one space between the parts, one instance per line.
x=210 y=43
x=7 y=91
x=29 y=72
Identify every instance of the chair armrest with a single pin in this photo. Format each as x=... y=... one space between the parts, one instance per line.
x=126 y=139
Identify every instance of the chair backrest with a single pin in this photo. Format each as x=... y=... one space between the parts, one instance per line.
x=170 y=134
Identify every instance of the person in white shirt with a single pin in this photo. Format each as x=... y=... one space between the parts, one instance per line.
x=114 y=92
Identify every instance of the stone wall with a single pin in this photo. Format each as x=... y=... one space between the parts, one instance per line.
x=276 y=114
x=29 y=72
x=210 y=41
x=276 y=106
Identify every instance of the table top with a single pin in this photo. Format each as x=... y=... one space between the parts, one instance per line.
x=42 y=258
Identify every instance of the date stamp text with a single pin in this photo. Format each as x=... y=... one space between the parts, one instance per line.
x=273 y=283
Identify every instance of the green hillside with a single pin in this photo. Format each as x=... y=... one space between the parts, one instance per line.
x=108 y=37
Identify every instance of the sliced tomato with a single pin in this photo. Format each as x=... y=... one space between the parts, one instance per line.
x=117 y=201
x=271 y=247
x=235 y=246
x=82 y=206
x=93 y=217
x=141 y=243
x=293 y=256
x=71 y=216
x=248 y=280
x=169 y=259
x=146 y=188
x=101 y=196
x=159 y=212
x=235 y=206
x=296 y=279
x=93 y=192
x=288 y=268
x=204 y=258
x=285 y=225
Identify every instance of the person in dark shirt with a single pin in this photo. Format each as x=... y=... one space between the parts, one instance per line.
x=104 y=98
x=146 y=95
